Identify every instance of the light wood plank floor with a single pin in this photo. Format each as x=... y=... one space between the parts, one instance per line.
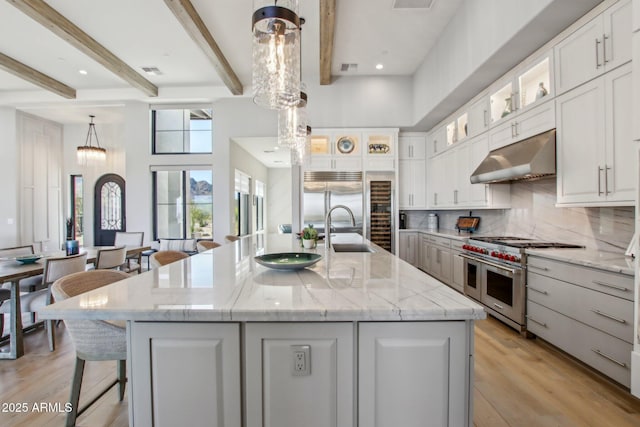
x=518 y=383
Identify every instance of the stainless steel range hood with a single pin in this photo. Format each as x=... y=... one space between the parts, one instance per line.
x=529 y=159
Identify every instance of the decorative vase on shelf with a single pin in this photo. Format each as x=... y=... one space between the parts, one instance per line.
x=507 y=107
x=542 y=91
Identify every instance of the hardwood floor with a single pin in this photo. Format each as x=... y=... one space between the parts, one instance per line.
x=518 y=382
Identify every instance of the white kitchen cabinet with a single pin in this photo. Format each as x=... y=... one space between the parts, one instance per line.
x=412 y=180
x=341 y=151
x=529 y=123
x=636 y=80
x=457 y=266
x=437 y=141
x=380 y=150
x=599 y=46
x=449 y=185
x=168 y=358
x=324 y=397
x=586 y=312
x=595 y=149
x=409 y=247
x=478 y=119
x=635 y=26
x=401 y=377
x=412 y=146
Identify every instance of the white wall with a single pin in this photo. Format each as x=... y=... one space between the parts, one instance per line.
x=111 y=137
x=241 y=160
x=9 y=220
x=279 y=198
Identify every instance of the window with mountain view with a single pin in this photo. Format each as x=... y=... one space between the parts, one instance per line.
x=181 y=131
x=183 y=204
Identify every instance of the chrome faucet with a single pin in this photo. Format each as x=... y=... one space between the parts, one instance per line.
x=327 y=224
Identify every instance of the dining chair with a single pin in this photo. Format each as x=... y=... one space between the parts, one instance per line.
x=131 y=238
x=231 y=238
x=111 y=258
x=205 y=245
x=161 y=258
x=28 y=284
x=54 y=269
x=94 y=340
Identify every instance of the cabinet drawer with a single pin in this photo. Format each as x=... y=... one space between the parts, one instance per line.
x=438 y=241
x=601 y=351
x=607 y=313
x=457 y=244
x=619 y=285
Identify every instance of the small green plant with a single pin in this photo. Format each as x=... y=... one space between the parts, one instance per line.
x=310 y=233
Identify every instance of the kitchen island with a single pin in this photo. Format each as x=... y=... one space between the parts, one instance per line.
x=359 y=338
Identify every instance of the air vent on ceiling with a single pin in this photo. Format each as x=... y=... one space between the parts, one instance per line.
x=349 y=67
x=154 y=71
x=413 y=4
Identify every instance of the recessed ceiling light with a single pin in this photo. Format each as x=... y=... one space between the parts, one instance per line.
x=276 y=148
x=83 y=72
x=379 y=66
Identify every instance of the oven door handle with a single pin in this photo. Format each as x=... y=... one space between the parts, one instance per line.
x=513 y=270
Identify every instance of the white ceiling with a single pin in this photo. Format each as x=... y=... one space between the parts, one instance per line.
x=266 y=150
x=145 y=33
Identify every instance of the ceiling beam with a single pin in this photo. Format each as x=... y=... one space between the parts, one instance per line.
x=198 y=31
x=68 y=31
x=327 y=30
x=34 y=76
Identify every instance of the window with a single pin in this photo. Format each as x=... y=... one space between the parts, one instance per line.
x=259 y=198
x=77 y=208
x=181 y=131
x=183 y=203
x=242 y=187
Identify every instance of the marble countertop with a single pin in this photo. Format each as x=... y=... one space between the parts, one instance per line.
x=226 y=284
x=610 y=261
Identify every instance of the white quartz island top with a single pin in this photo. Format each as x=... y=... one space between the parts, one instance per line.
x=227 y=284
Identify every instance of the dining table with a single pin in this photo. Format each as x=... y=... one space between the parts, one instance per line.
x=12 y=271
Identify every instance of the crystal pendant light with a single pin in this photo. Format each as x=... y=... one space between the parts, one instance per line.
x=301 y=148
x=89 y=153
x=276 y=53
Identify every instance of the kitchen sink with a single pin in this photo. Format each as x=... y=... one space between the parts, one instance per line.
x=351 y=247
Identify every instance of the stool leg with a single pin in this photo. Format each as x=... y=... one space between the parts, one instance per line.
x=122 y=378
x=74 y=399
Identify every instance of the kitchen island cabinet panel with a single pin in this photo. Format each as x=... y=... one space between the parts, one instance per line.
x=168 y=359
x=401 y=380
x=323 y=398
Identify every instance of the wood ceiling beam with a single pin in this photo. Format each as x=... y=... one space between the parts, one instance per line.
x=199 y=33
x=327 y=30
x=69 y=32
x=34 y=76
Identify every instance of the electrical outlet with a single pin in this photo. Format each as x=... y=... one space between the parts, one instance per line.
x=301 y=360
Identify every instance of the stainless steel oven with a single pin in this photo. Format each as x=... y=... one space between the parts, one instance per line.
x=500 y=288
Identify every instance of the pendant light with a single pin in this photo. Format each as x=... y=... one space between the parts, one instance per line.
x=276 y=53
x=89 y=153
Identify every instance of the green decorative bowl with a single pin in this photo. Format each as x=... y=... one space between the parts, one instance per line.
x=288 y=260
x=28 y=259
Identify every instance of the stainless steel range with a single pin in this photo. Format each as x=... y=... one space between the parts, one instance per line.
x=495 y=275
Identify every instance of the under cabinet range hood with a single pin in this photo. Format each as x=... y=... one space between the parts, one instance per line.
x=528 y=159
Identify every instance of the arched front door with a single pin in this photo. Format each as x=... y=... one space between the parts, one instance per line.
x=109 y=209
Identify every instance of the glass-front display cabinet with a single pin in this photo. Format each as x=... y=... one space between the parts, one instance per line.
x=502 y=102
x=534 y=83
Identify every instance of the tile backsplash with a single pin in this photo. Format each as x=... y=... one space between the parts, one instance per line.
x=533 y=214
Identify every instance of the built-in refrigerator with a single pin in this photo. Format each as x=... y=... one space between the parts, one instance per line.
x=324 y=190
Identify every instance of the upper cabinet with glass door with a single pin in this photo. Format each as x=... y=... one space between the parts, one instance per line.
x=335 y=150
x=526 y=85
x=380 y=149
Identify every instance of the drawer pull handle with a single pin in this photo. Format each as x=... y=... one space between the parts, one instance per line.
x=609 y=285
x=538 y=290
x=538 y=268
x=498 y=306
x=537 y=321
x=608 y=316
x=598 y=352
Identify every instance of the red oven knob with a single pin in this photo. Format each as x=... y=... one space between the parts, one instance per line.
x=494 y=254
x=501 y=255
x=512 y=258
x=465 y=247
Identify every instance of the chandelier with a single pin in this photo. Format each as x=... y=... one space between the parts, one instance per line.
x=276 y=53
x=88 y=153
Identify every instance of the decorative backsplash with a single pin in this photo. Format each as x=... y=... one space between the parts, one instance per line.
x=533 y=214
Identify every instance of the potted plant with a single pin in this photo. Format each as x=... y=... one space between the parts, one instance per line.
x=309 y=237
